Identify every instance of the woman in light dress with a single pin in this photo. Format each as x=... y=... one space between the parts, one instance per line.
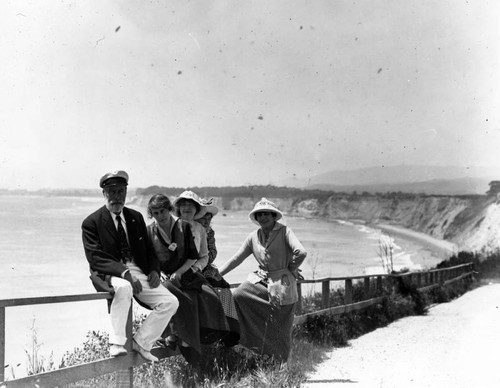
x=266 y=301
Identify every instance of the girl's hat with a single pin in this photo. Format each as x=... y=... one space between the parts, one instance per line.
x=209 y=206
x=188 y=194
x=264 y=205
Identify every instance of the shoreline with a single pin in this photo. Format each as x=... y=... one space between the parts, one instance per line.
x=414 y=251
x=432 y=243
x=440 y=246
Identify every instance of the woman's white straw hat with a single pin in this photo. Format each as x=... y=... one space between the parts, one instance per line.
x=188 y=194
x=264 y=205
x=209 y=207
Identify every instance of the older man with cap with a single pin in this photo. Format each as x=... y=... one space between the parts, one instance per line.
x=122 y=261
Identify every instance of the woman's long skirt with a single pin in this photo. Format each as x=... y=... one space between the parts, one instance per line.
x=222 y=288
x=264 y=327
x=226 y=298
x=200 y=318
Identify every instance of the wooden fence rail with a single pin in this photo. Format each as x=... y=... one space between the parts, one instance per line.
x=123 y=366
x=425 y=281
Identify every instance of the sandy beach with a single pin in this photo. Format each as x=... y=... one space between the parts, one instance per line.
x=413 y=251
x=441 y=246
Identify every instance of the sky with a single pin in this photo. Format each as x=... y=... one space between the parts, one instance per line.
x=227 y=93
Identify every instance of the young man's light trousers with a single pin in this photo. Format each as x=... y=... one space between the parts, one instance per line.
x=162 y=302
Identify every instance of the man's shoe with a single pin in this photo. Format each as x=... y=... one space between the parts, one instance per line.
x=117 y=350
x=172 y=344
x=166 y=343
x=146 y=354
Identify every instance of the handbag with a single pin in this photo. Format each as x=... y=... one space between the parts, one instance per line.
x=192 y=280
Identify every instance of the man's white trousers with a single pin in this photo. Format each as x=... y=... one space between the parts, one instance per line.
x=162 y=302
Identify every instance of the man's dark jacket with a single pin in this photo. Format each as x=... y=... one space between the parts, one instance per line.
x=102 y=246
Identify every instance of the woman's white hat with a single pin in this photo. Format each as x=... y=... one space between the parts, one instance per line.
x=188 y=194
x=209 y=207
x=264 y=205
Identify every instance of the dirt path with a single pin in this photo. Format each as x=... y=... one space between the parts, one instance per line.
x=455 y=345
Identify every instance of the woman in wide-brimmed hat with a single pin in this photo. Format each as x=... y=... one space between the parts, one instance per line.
x=190 y=207
x=205 y=219
x=212 y=274
x=265 y=302
x=200 y=317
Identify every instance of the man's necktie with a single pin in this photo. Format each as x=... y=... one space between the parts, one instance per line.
x=124 y=247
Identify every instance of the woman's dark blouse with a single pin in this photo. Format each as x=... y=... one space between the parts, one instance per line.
x=181 y=235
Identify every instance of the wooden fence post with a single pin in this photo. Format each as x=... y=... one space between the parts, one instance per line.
x=125 y=378
x=379 y=283
x=367 y=287
x=348 y=291
x=325 y=294
x=298 y=308
x=2 y=344
x=419 y=280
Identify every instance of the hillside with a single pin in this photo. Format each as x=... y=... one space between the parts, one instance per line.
x=472 y=222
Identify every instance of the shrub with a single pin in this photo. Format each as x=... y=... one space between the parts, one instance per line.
x=95 y=347
x=406 y=289
x=328 y=329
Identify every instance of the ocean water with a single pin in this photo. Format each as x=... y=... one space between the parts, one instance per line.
x=41 y=254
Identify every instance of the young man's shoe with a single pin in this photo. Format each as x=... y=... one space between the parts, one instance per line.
x=146 y=354
x=117 y=350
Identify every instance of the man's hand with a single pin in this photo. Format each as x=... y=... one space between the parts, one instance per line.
x=154 y=279
x=176 y=278
x=136 y=284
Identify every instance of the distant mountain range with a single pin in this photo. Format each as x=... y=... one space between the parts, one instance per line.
x=405 y=178
x=439 y=180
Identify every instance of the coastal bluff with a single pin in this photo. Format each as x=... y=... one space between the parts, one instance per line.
x=471 y=222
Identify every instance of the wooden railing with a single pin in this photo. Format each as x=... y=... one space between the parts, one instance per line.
x=372 y=288
x=123 y=366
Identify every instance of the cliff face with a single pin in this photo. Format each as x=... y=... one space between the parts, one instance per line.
x=472 y=222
